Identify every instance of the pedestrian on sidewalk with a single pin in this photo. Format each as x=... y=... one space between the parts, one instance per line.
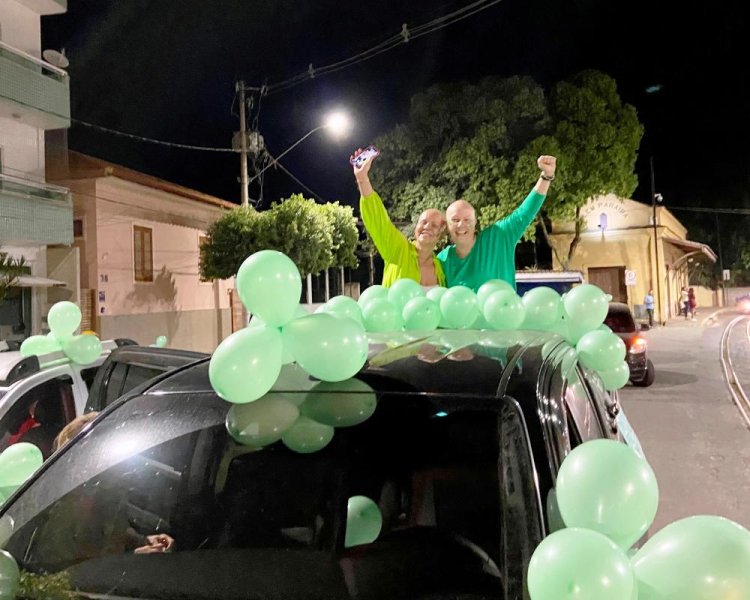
x=685 y=302
x=692 y=304
x=649 y=302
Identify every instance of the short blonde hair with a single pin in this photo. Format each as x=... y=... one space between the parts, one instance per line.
x=72 y=429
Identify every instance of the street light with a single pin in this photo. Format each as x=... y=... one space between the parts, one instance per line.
x=654 y=199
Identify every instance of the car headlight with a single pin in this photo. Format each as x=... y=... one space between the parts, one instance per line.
x=638 y=345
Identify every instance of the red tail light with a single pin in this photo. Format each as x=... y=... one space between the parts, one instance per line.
x=638 y=345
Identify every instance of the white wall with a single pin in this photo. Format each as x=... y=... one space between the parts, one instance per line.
x=176 y=285
x=23 y=149
x=20 y=27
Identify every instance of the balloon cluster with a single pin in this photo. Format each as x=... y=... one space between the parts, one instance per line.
x=577 y=315
x=63 y=319
x=604 y=501
x=246 y=365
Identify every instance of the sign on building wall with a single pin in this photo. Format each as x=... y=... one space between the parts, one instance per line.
x=630 y=278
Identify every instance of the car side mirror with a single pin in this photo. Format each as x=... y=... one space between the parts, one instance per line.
x=645 y=326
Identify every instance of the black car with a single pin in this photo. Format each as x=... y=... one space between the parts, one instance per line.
x=620 y=320
x=466 y=435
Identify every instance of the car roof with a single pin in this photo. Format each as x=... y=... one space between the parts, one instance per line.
x=467 y=363
x=618 y=307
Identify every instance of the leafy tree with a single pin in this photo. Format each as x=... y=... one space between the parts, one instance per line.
x=298 y=227
x=480 y=142
x=345 y=235
x=229 y=241
x=10 y=269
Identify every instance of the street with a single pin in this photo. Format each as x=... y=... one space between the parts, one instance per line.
x=691 y=430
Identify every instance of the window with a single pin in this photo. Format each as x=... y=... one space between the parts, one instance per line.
x=143 y=257
x=39 y=415
x=77 y=228
x=620 y=322
x=439 y=469
x=583 y=418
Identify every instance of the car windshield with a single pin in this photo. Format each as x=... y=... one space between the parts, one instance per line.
x=452 y=478
x=620 y=322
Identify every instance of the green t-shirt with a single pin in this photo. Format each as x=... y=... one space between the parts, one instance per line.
x=494 y=253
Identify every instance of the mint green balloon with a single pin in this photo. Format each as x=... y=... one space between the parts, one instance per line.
x=603 y=485
x=270 y=286
x=586 y=305
x=402 y=291
x=543 y=308
x=64 y=318
x=371 y=293
x=381 y=315
x=490 y=287
x=616 y=377
x=435 y=294
x=83 y=349
x=580 y=564
x=697 y=558
x=504 y=310
x=263 y=422
x=554 y=518
x=600 y=350
x=307 y=436
x=460 y=307
x=9 y=576
x=161 y=341
x=246 y=364
x=363 y=521
x=329 y=348
x=340 y=404
x=18 y=462
x=39 y=344
x=421 y=314
x=344 y=306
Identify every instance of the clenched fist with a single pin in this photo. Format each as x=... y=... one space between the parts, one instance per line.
x=547 y=164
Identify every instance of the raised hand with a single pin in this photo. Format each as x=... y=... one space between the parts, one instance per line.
x=547 y=164
x=362 y=171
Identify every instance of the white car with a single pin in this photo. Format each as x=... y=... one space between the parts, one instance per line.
x=40 y=395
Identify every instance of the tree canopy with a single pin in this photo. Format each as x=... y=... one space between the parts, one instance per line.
x=314 y=236
x=10 y=269
x=481 y=141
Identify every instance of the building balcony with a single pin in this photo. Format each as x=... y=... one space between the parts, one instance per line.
x=45 y=7
x=34 y=212
x=33 y=91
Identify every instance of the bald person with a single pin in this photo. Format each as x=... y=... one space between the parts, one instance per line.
x=474 y=258
x=403 y=259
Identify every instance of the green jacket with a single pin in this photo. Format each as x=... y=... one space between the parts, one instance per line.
x=494 y=253
x=399 y=254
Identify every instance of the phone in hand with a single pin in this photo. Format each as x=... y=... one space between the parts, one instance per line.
x=369 y=152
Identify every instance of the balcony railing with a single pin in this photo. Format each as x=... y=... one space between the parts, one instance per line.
x=39 y=90
x=34 y=211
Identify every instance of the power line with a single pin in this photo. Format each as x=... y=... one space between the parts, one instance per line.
x=142 y=138
x=390 y=43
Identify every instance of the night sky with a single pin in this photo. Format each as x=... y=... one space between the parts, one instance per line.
x=166 y=69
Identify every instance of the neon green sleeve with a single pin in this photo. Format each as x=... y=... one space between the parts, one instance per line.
x=389 y=241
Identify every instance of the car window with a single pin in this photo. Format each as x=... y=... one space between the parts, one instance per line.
x=584 y=420
x=620 y=322
x=39 y=415
x=88 y=375
x=452 y=479
x=114 y=382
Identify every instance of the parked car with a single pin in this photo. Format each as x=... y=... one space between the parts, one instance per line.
x=50 y=385
x=620 y=320
x=466 y=435
x=56 y=390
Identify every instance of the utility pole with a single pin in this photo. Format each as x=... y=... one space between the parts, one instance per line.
x=721 y=262
x=244 y=184
x=656 y=240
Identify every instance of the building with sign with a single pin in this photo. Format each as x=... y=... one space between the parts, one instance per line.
x=621 y=251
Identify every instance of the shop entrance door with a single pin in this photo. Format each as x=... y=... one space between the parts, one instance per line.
x=611 y=280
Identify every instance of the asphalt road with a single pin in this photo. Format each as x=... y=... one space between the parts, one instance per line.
x=692 y=433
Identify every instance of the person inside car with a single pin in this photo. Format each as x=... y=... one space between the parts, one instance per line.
x=403 y=259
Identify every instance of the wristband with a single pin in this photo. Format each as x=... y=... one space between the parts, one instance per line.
x=547 y=177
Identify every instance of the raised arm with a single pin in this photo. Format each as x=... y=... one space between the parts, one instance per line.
x=518 y=221
x=389 y=241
